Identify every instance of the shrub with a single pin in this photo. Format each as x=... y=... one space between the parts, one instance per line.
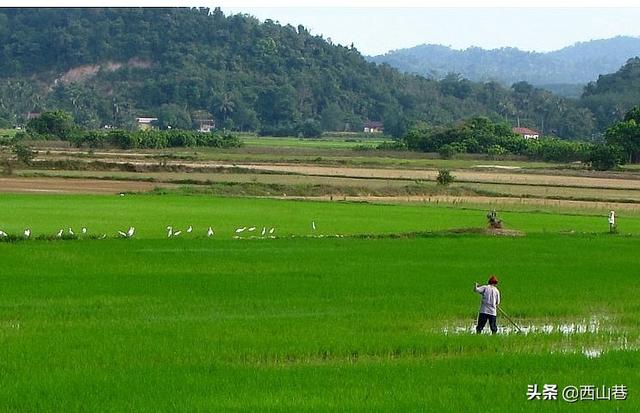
x=444 y=177
x=605 y=157
x=495 y=151
x=447 y=151
x=395 y=145
x=310 y=128
x=23 y=153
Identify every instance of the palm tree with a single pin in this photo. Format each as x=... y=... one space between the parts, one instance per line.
x=226 y=106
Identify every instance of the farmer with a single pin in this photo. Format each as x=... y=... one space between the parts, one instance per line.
x=494 y=222
x=489 y=307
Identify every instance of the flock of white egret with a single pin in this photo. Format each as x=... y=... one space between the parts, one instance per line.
x=171 y=232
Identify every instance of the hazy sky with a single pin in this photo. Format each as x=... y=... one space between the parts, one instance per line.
x=378 y=30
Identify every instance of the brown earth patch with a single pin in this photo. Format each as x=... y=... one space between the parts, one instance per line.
x=72 y=186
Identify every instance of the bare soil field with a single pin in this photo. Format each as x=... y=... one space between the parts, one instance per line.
x=626 y=181
x=72 y=186
x=464 y=176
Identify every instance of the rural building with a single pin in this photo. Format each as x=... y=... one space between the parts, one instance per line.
x=373 y=127
x=146 y=123
x=526 y=133
x=206 y=125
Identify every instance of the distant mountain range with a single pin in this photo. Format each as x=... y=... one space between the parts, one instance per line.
x=563 y=71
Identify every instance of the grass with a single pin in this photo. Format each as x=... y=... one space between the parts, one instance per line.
x=321 y=143
x=305 y=324
x=150 y=214
x=8 y=133
x=290 y=325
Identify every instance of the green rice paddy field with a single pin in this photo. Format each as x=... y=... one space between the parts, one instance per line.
x=308 y=323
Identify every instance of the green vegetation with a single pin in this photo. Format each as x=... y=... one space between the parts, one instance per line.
x=626 y=135
x=306 y=324
x=444 y=177
x=150 y=214
x=109 y=66
x=569 y=68
x=321 y=143
x=612 y=95
x=59 y=125
x=482 y=136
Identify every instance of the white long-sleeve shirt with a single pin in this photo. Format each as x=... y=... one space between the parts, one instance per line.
x=490 y=299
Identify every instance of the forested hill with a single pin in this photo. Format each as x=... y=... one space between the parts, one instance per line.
x=577 y=64
x=612 y=95
x=109 y=66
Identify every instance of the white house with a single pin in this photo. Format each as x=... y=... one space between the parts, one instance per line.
x=146 y=123
x=373 y=127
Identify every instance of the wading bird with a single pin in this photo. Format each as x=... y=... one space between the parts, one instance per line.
x=84 y=230
x=209 y=232
x=71 y=232
x=252 y=229
x=169 y=231
x=59 y=234
x=3 y=234
x=130 y=232
x=27 y=233
x=272 y=230
x=313 y=225
x=264 y=231
x=190 y=229
x=239 y=230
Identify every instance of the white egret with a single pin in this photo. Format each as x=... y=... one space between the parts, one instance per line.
x=59 y=234
x=3 y=234
x=130 y=232
x=272 y=230
x=189 y=229
x=169 y=231
x=313 y=225
x=122 y=234
x=264 y=231
x=209 y=232
x=239 y=230
x=27 y=233
x=84 y=230
x=176 y=233
x=71 y=232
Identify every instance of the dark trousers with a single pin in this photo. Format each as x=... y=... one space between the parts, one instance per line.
x=482 y=321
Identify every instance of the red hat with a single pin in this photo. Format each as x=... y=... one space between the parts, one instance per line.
x=493 y=280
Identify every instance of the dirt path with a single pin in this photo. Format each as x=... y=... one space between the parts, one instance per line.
x=72 y=186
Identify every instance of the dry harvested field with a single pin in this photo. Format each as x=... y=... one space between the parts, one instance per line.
x=478 y=182
x=499 y=174
x=72 y=186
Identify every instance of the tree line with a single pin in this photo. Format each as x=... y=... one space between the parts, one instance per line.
x=480 y=135
x=59 y=125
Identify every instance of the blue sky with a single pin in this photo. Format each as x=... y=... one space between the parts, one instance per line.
x=377 y=30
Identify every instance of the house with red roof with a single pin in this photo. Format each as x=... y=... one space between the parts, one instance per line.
x=526 y=133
